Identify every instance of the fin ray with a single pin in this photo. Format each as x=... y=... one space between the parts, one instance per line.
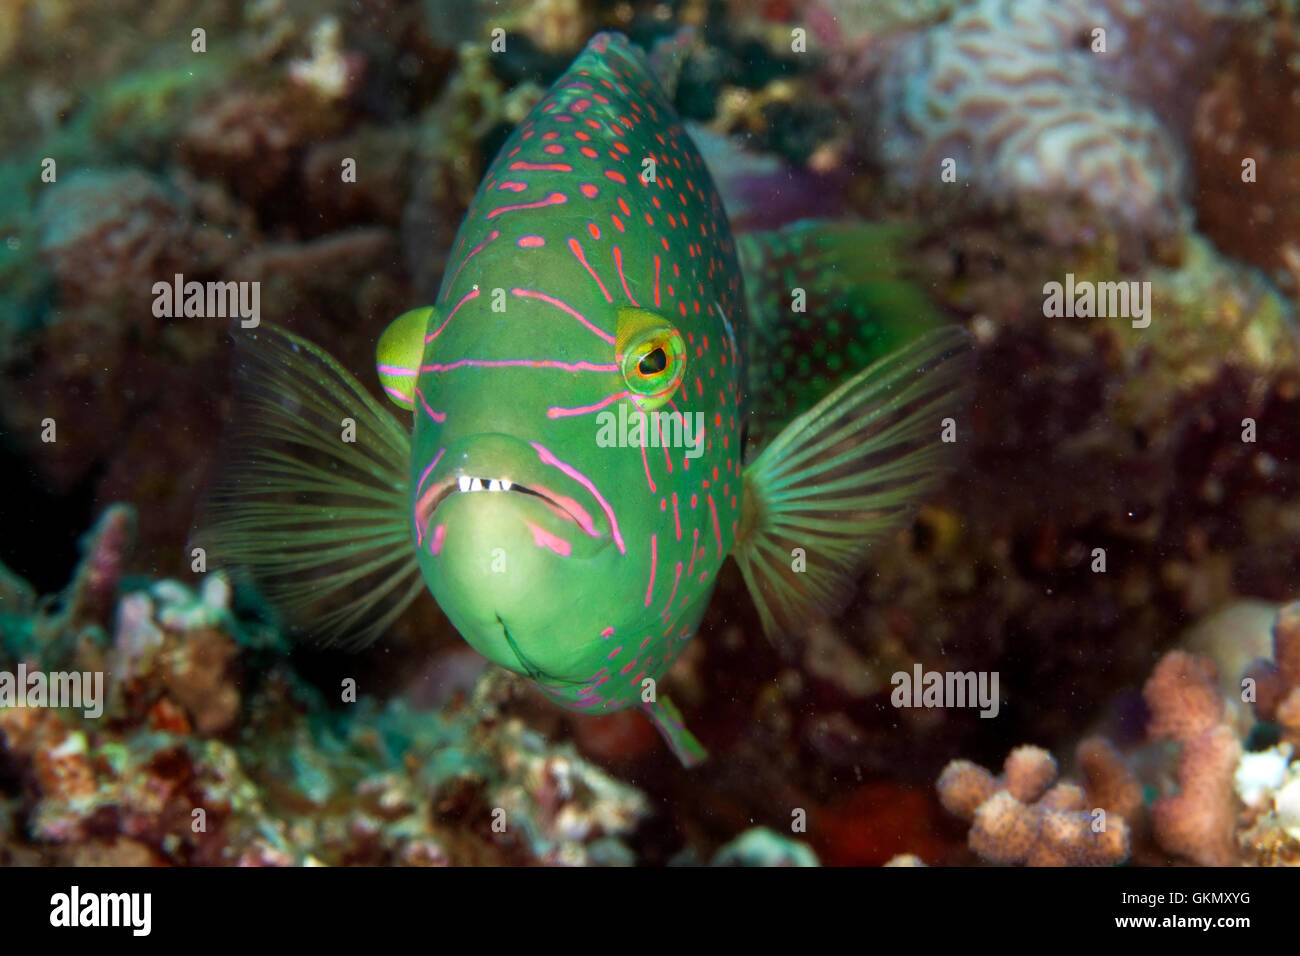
x=318 y=522
x=844 y=473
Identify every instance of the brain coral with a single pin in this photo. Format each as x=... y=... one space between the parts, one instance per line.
x=1036 y=119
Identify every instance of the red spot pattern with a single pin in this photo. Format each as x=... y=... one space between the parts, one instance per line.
x=613 y=114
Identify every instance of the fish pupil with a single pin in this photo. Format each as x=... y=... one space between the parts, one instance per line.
x=652 y=363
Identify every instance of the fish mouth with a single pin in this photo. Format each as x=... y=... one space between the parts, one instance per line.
x=438 y=492
x=500 y=465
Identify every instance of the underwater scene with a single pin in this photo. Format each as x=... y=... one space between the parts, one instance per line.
x=631 y=433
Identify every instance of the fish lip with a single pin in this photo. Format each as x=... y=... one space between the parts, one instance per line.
x=438 y=492
x=504 y=457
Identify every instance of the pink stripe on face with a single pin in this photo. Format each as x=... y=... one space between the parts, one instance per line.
x=654 y=561
x=717 y=533
x=646 y=464
x=549 y=459
x=576 y=249
x=677 y=579
x=531 y=242
x=428 y=468
x=471 y=294
x=563 y=307
x=618 y=263
x=472 y=253
x=520 y=363
x=556 y=411
x=439 y=534
x=438 y=417
x=544 y=539
x=419 y=485
x=574 y=510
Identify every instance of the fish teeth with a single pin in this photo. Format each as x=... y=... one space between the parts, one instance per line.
x=466 y=483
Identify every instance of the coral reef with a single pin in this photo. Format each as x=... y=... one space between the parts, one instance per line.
x=210 y=750
x=1213 y=800
x=1020 y=817
x=1247 y=164
x=1085 y=433
x=1038 y=117
x=1268 y=784
x=852 y=24
x=171 y=160
x=107 y=233
x=1277 y=691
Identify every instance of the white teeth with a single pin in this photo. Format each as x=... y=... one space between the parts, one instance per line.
x=466 y=483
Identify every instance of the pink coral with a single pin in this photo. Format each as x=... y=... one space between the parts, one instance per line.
x=1197 y=822
x=104 y=550
x=1020 y=818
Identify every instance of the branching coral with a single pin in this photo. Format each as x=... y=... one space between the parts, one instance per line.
x=1186 y=706
x=1021 y=818
x=1229 y=805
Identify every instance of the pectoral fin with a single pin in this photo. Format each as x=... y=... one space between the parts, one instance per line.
x=843 y=474
x=310 y=499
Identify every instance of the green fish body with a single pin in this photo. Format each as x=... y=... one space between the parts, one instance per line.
x=573 y=479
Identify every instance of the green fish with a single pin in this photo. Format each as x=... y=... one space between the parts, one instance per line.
x=580 y=390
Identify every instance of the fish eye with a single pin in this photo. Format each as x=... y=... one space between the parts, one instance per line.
x=654 y=362
x=651 y=355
